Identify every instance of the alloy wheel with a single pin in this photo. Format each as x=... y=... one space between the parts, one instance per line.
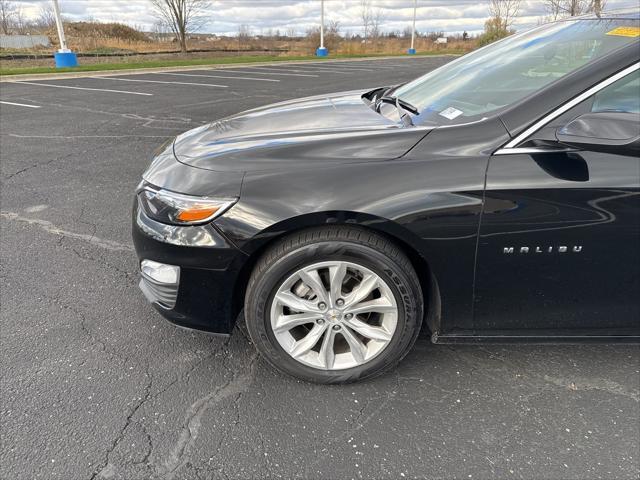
x=334 y=315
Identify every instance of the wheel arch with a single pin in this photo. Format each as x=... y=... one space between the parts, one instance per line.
x=407 y=241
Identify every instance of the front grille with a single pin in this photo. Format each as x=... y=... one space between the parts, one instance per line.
x=161 y=293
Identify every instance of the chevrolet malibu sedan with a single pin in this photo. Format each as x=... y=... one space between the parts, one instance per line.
x=496 y=198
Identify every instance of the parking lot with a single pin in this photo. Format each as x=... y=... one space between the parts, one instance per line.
x=95 y=384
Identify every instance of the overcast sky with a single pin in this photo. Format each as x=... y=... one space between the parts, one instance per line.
x=452 y=16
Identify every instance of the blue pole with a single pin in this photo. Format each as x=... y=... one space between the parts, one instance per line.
x=321 y=51
x=63 y=57
x=412 y=50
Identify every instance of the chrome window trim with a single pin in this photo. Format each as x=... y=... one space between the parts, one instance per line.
x=511 y=151
x=510 y=147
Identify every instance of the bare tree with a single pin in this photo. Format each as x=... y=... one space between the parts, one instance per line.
x=572 y=8
x=598 y=6
x=332 y=37
x=503 y=12
x=159 y=30
x=333 y=28
x=244 y=31
x=182 y=16
x=365 y=15
x=7 y=15
x=46 y=17
x=244 y=34
x=377 y=18
x=21 y=23
x=553 y=7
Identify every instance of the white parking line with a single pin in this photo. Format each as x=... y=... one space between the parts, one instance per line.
x=405 y=65
x=160 y=81
x=326 y=70
x=341 y=67
x=84 y=88
x=286 y=68
x=216 y=76
x=20 y=104
x=260 y=73
x=373 y=66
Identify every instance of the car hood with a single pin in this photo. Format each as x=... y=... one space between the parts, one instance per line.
x=336 y=128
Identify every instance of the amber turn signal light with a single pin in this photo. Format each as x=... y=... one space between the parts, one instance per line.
x=196 y=214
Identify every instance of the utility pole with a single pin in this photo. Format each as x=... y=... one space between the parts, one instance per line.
x=412 y=50
x=322 y=51
x=63 y=57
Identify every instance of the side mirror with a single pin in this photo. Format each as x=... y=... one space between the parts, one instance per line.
x=609 y=132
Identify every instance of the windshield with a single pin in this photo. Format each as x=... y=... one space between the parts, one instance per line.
x=494 y=77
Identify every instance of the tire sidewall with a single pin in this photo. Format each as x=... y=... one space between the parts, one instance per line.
x=404 y=288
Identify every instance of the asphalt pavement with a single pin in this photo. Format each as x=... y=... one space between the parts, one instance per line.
x=95 y=384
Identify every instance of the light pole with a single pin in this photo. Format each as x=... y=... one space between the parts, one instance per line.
x=63 y=57
x=412 y=50
x=322 y=51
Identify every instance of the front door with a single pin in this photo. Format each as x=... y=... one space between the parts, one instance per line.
x=559 y=245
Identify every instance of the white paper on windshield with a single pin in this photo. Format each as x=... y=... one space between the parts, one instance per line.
x=451 y=113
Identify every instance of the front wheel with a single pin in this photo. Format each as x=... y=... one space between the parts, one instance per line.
x=334 y=305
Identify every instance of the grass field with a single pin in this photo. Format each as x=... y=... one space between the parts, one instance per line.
x=194 y=62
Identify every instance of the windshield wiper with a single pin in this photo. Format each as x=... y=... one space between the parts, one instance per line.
x=400 y=106
x=398 y=101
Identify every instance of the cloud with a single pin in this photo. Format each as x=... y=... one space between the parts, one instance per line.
x=450 y=16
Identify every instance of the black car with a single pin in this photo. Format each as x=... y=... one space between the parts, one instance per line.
x=496 y=198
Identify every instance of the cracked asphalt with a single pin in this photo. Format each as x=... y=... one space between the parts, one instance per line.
x=95 y=385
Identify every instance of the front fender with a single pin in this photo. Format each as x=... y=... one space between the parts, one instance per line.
x=433 y=205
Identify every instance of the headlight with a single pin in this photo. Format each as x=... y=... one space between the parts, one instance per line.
x=179 y=209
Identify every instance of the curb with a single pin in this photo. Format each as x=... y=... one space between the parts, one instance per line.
x=139 y=71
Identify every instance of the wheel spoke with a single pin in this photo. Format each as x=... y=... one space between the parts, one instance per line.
x=327 y=355
x=305 y=344
x=368 y=284
x=379 y=305
x=312 y=279
x=369 y=331
x=287 y=322
x=358 y=349
x=336 y=279
x=296 y=303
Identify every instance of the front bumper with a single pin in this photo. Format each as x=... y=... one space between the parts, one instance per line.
x=209 y=266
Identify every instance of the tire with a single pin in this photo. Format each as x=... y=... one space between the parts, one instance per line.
x=347 y=350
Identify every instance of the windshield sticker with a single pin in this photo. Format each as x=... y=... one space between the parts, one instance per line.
x=450 y=113
x=625 y=32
